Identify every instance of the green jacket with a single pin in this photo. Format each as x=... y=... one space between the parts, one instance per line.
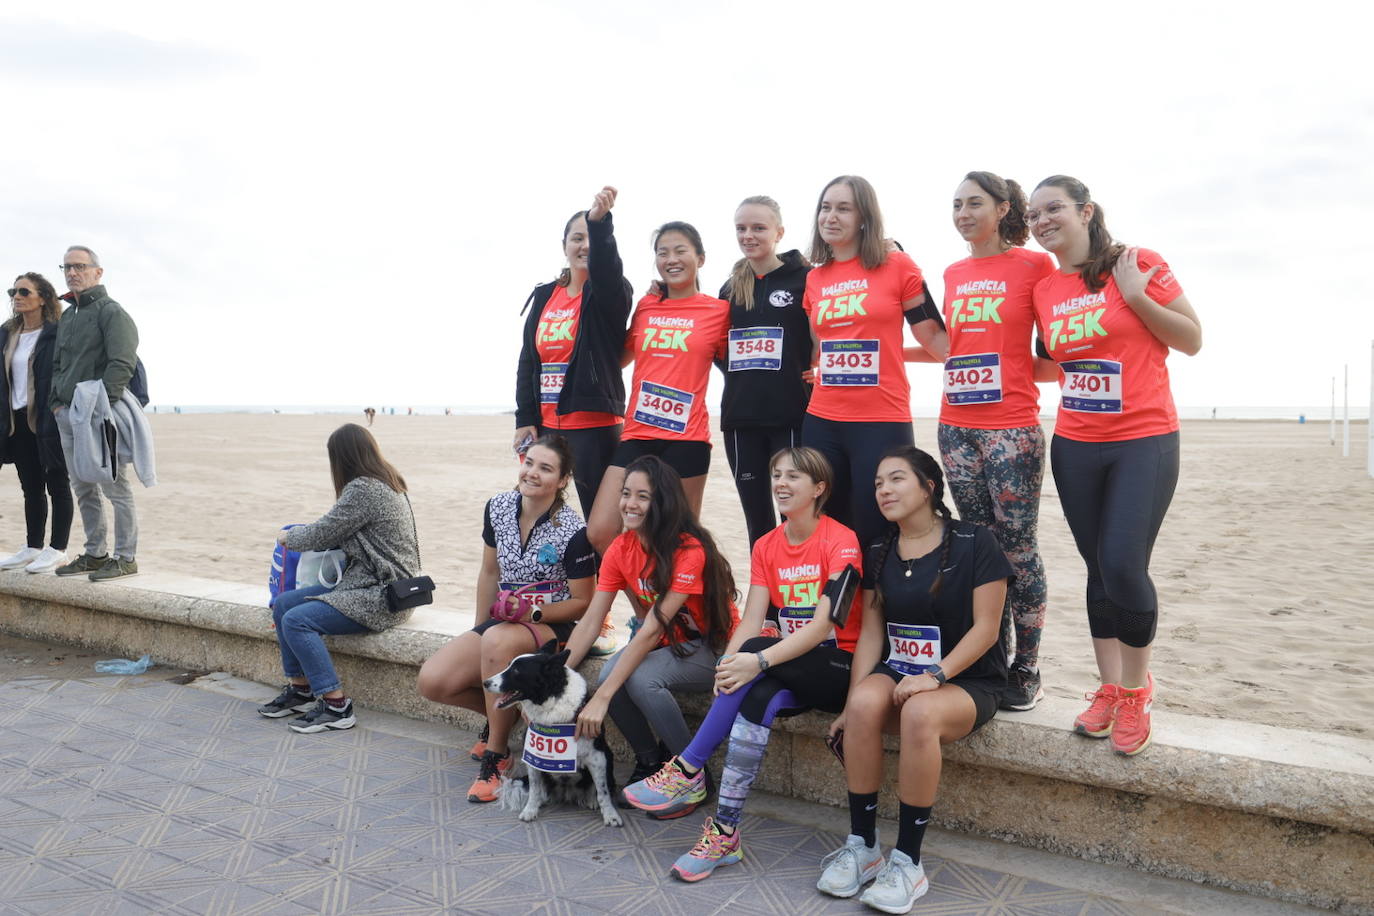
x=96 y=338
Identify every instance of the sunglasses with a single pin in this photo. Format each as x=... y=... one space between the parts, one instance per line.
x=19 y=293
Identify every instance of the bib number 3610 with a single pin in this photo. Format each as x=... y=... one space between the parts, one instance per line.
x=551 y=748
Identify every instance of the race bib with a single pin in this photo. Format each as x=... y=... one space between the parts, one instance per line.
x=792 y=619
x=849 y=362
x=755 y=348
x=912 y=649
x=973 y=379
x=551 y=376
x=538 y=596
x=1091 y=386
x=551 y=748
x=664 y=407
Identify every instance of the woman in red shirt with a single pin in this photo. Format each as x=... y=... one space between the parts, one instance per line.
x=991 y=443
x=682 y=592
x=675 y=337
x=857 y=297
x=1109 y=317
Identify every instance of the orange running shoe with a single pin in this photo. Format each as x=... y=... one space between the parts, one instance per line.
x=487 y=788
x=1096 y=720
x=480 y=747
x=1131 y=732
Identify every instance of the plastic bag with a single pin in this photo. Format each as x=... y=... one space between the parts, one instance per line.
x=123 y=665
x=321 y=567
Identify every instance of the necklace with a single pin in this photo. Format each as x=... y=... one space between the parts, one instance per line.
x=909 y=565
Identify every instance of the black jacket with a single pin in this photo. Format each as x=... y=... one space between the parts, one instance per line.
x=765 y=397
x=593 y=381
x=49 y=445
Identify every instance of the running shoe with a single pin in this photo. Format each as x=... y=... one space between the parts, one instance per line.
x=899 y=885
x=82 y=565
x=686 y=806
x=480 y=747
x=20 y=558
x=291 y=699
x=605 y=643
x=667 y=788
x=1096 y=720
x=323 y=716
x=643 y=770
x=850 y=867
x=48 y=559
x=713 y=849
x=115 y=568
x=1131 y=731
x=1023 y=689
x=487 y=787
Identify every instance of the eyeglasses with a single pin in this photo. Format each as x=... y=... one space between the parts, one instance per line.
x=1052 y=210
x=66 y=267
x=19 y=293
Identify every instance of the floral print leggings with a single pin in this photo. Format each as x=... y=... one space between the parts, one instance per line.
x=994 y=476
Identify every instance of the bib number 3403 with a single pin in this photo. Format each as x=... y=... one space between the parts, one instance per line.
x=849 y=362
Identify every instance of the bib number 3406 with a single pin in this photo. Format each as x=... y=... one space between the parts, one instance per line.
x=664 y=407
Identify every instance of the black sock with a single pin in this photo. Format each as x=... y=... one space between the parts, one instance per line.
x=863 y=816
x=336 y=702
x=911 y=829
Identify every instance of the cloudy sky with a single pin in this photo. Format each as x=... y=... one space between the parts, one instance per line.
x=348 y=203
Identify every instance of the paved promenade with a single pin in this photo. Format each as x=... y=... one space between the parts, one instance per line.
x=142 y=794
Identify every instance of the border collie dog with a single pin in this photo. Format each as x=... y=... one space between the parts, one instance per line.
x=552 y=694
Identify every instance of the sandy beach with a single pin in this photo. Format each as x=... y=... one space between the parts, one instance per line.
x=1263 y=566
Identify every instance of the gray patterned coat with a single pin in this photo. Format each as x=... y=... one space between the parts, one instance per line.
x=373 y=526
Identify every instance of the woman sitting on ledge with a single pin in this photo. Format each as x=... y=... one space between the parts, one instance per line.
x=373 y=524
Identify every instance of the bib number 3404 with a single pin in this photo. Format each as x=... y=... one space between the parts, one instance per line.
x=911 y=649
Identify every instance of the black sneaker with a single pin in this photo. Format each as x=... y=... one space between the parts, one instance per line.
x=290 y=700
x=1023 y=689
x=324 y=716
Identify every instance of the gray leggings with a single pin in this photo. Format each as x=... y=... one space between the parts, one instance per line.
x=646 y=697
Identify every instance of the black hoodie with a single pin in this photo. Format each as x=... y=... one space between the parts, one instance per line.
x=593 y=381
x=766 y=397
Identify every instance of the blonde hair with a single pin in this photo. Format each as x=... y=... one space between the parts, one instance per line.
x=872 y=251
x=741 y=282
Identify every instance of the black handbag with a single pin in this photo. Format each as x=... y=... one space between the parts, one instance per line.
x=404 y=594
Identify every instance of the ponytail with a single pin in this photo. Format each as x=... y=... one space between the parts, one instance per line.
x=1102 y=251
x=565 y=275
x=741 y=284
x=1012 y=228
x=927 y=471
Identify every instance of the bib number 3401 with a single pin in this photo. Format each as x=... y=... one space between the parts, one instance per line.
x=1091 y=386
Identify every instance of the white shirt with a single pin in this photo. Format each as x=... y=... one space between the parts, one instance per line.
x=19 y=369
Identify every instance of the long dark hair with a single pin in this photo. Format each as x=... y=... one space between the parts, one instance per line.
x=668 y=519
x=927 y=471
x=1102 y=250
x=1012 y=228
x=353 y=453
x=52 y=307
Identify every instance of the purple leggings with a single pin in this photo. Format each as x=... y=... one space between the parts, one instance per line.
x=715 y=728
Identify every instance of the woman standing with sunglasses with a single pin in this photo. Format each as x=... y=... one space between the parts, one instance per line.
x=30 y=438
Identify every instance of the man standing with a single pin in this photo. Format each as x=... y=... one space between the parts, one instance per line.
x=96 y=339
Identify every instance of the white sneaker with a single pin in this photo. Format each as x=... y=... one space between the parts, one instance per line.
x=899 y=885
x=850 y=867
x=23 y=558
x=49 y=559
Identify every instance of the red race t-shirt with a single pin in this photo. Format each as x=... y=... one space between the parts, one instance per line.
x=857 y=316
x=795 y=575
x=990 y=374
x=1113 y=381
x=627 y=565
x=674 y=342
x=553 y=341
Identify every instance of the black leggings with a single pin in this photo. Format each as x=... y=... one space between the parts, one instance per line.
x=33 y=477
x=819 y=680
x=748 y=451
x=852 y=450
x=1114 y=496
x=592 y=450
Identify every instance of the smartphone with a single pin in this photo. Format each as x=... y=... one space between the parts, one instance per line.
x=836 y=744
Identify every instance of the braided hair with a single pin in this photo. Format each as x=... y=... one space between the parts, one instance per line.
x=927 y=471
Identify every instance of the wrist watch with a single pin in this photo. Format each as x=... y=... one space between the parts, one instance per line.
x=763 y=662
x=536 y=615
x=938 y=673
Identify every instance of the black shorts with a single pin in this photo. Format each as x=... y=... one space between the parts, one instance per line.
x=689 y=459
x=562 y=630
x=985 y=692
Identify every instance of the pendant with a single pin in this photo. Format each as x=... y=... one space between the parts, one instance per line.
x=908 y=573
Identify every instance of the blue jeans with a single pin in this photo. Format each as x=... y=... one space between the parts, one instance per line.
x=300 y=625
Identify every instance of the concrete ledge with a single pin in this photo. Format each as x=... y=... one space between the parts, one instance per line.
x=1274 y=811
